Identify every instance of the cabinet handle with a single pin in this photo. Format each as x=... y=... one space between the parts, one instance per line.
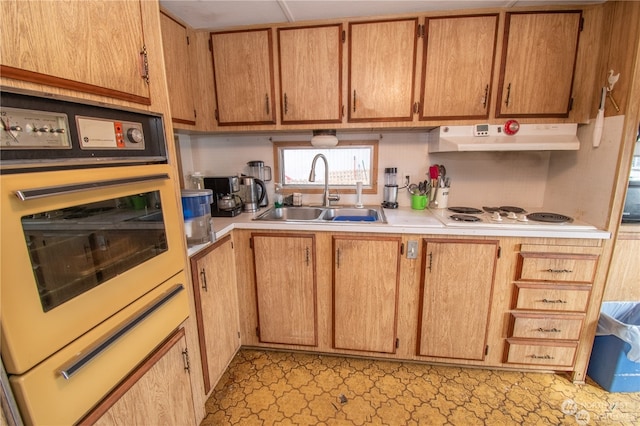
x=185 y=358
x=286 y=104
x=559 y=271
x=266 y=101
x=338 y=258
x=541 y=357
x=508 y=95
x=354 y=101
x=430 y=261
x=548 y=330
x=144 y=64
x=486 y=97
x=203 y=278
x=553 y=301
x=307 y=256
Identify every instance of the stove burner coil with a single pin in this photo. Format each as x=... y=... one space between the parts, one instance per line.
x=464 y=218
x=465 y=210
x=549 y=217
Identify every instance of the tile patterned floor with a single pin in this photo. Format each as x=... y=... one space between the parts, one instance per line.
x=279 y=388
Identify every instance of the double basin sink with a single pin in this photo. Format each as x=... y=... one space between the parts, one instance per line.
x=364 y=215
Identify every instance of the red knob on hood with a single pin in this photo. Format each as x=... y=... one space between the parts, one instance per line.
x=511 y=127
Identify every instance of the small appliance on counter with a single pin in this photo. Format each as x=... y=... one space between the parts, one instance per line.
x=226 y=200
x=390 y=188
x=196 y=209
x=258 y=170
x=253 y=192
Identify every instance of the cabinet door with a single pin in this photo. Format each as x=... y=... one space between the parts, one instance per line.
x=457 y=67
x=175 y=41
x=243 y=75
x=382 y=59
x=365 y=293
x=158 y=392
x=310 y=74
x=457 y=286
x=98 y=52
x=216 y=300
x=538 y=64
x=285 y=288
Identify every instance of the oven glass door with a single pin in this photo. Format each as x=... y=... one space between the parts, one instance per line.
x=78 y=246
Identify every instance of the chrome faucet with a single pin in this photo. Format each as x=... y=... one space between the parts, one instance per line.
x=326 y=198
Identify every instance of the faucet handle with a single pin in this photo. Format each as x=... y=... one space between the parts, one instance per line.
x=334 y=197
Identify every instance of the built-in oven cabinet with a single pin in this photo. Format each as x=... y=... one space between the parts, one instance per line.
x=65 y=386
x=157 y=393
x=114 y=64
x=81 y=244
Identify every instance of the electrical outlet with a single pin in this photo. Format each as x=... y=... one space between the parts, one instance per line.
x=407 y=180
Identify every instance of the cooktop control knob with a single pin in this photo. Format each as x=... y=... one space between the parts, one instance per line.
x=511 y=127
x=134 y=135
x=512 y=215
x=523 y=218
x=496 y=217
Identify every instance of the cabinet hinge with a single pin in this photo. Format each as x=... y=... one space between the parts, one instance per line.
x=251 y=243
x=344 y=36
x=402 y=248
x=570 y=104
x=416 y=107
x=581 y=24
x=397 y=343
x=238 y=334
x=232 y=246
x=185 y=358
x=499 y=251
x=258 y=332
x=210 y=46
x=195 y=113
x=420 y=31
x=486 y=350
x=188 y=41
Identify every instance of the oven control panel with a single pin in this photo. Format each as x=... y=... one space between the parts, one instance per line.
x=99 y=133
x=30 y=129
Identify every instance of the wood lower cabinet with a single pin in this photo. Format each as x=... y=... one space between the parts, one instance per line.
x=541 y=87
x=365 y=292
x=157 y=392
x=623 y=282
x=101 y=50
x=382 y=59
x=458 y=66
x=243 y=76
x=216 y=302
x=285 y=286
x=457 y=288
x=310 y=60
x=175 y=42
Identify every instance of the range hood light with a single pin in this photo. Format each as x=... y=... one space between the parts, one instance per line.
x=324 y=138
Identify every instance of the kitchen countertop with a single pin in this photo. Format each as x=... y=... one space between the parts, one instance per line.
x=402 y=220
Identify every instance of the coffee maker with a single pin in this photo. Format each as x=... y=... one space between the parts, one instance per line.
x=226 y=200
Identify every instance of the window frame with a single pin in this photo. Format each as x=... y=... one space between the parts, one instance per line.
x=277 y=159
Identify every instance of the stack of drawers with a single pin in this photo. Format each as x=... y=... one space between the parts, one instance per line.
x=551 y=295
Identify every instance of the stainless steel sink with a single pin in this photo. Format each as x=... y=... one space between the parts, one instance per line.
x=367 y=214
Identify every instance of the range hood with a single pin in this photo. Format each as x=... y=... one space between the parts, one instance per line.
x=530 y=137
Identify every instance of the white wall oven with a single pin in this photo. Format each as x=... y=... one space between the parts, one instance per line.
x=92 y=276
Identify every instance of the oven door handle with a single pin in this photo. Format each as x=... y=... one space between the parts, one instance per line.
x=51 y=191
x=74 y=365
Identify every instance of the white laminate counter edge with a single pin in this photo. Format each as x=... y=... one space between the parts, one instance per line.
x=400 y=221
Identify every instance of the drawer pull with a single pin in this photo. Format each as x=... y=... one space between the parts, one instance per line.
x=548 y=330
x=553 y=301
x=559 y=271
x=541 y=357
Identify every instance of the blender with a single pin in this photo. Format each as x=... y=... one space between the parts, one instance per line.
x=390 y=188
x=258 y=170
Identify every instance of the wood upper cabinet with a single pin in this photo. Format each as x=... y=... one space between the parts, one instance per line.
x=382 y=59
x=157 y=392
x=216 y=302
x=310 y=74
x=456 y=292
x=538 y=64
x=365 y=292
x=175 y=41
x=243 y=75
x=457 y=67
x=98 y=52
x=286 y=288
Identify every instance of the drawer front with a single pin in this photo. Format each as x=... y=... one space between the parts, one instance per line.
x=539 y=352
x=579 y=268
x=553 y=327
x=551 y=298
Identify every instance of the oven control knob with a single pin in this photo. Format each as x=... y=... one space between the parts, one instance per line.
x=523 y=218
x=134 y=135
x=512 y=215
x=511 y=127
x=496 y=217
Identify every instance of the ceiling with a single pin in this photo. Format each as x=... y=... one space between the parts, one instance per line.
x=218 y=14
